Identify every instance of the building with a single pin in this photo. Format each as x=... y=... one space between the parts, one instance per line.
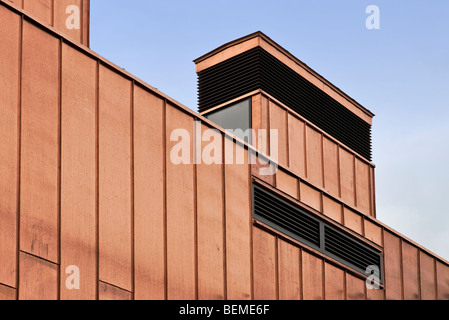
x=88 y=187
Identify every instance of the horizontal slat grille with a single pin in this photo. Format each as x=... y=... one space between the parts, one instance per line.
x=352 y=251
x=257 y=69
x=286 y=217
x=302 y=226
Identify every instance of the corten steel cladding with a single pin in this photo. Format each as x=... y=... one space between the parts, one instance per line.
x=87 y=181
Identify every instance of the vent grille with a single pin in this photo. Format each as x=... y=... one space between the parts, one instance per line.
x=289 y=219
x=353 y=252
x=283 y=216
x=257 y=69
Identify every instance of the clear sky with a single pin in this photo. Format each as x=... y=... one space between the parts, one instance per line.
x=400 y=72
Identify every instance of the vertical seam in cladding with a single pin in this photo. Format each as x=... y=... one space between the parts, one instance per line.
x=436 y=278
x=19 y=154
x=250 y=222
x=59 y=222
x=82 y=22
x=301 y=276
x=132 y=189
x=286 y=138
x=401 y=268
x=418 y=263
x=97 y=181
x=164 y=157
x=354 y=170
x=195 y=202
x=339 y=170
x=276 y=266
x=345 y=286
x=306 y=167
x=323 y=279
x=223 y=182
x=52 y=12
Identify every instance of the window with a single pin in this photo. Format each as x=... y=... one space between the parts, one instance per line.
x=291 y=220
x=233 y=117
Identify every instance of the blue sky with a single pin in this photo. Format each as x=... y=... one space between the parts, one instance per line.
x=399 y=72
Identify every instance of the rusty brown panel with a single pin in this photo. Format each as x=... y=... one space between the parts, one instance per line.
x=238 y=229
x=410 y=270
x=332 y=209
x=296 y=145
x=312 y=277
x=330 y=156
x=61 y=17
x=78 y=173
x=7 y=293
x=287 y=183
x=114 y=179
x=210 y=199
x=373 y=232
x=289 y=271
x=109 y=292
x=149 y=176
x=38 y=278
x=256 y=119
x=372 y=193
x=18 y=3
x=362 y=186
x=278 y=121
x=375 y=294
x=39 y=144
x=85 y=32
x=180 y=211
x=9 y=142
x=355 y=288
x=334 y=282
x=353 y=220
x=264 y=265
x=443 y=281
x=310 y=196
x=392 y=262
x=41 y=9
x=427 y=276
x=347 y=176
x=314 y=149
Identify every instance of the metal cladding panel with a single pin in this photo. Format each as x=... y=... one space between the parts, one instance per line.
x=78 y=171
x=257 y=69
x=38 y=279
x=427 y=276
x=110 y=293
x=9 y=142
x=70 y=17
x=210 y=218
x=181 y=214
x=264 y=265
x=114 y=179
x=120 y=184
x=334 y=282
x=39 y=187
x=149 y=193
x=289 y=271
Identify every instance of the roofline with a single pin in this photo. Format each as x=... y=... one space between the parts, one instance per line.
x=263 y=36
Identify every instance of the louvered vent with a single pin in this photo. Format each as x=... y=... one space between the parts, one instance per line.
x=257 y=69
x=355 y=254
x=289 y=219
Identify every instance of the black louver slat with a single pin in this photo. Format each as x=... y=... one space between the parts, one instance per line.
x=257 y=69
x=286 y=217
x=302 y=226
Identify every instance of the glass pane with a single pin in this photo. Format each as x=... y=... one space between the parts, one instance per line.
x=235 y=118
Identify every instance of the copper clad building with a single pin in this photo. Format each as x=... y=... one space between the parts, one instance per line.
x=86 y=178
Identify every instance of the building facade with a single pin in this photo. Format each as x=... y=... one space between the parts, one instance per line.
x=93 y=206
